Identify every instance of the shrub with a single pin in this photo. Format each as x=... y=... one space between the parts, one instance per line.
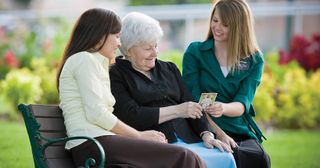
x=21 y=86
x=294 y=101
x=48 y=80
x=264 y=102
x=288 y=96
x=315 y=93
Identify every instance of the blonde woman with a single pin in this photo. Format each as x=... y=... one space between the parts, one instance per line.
x=230 y=63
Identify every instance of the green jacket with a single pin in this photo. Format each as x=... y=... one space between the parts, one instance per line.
x=202 y=74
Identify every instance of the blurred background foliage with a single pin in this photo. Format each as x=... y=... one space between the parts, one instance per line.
x=28 y=63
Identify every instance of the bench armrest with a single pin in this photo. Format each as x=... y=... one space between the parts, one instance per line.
x=90 y=161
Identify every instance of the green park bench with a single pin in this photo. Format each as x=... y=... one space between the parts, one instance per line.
x=47 y=135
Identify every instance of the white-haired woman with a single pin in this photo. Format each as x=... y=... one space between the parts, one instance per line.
x=150 y=93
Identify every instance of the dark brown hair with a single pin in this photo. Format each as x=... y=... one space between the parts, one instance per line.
x=93 y=26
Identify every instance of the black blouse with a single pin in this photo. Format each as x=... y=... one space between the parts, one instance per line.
x=138 y=99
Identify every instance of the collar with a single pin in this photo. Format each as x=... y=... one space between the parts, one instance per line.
x=207 y=45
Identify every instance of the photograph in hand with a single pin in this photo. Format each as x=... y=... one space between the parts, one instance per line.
x=207 y=99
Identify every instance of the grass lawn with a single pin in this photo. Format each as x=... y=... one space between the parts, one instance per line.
x=294 y=149
x=15 y=150
x=287 y=149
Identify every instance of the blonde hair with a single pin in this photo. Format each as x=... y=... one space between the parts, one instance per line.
x=242 y=41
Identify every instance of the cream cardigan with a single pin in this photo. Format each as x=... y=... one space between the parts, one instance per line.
x=85 y=97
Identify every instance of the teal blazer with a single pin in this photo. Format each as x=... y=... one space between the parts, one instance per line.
x=202 y=74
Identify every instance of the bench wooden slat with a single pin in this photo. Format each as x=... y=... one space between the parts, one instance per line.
x=60 y=163
x=46 y=110
x=61 y=134
x=55 y=152
x=51 y=124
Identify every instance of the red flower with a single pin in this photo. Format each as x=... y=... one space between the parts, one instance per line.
x=10 y=59
x=307 y=53
x=284 y=57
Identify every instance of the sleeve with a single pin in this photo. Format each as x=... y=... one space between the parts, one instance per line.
x=92 y=92
x=249 y=85
x=127 y=109
x=198 y=125
x=190 y=73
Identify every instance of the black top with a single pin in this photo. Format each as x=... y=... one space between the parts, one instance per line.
x=138 y=99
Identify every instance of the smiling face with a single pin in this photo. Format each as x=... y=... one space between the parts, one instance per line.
x=110 y=46
x=143 y=56
x=219 y=29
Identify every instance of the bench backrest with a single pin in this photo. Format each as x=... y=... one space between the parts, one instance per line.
x=46 y=121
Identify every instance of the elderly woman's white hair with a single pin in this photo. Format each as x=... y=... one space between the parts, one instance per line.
x=138 y=28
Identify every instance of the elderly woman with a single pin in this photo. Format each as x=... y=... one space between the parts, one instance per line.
x=150 y=93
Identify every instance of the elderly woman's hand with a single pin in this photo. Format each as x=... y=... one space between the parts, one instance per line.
x=188 y=110
x=226 y=139
x=152 y=135
x=210 y=142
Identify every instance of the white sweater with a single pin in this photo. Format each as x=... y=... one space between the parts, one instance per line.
x=85 y=97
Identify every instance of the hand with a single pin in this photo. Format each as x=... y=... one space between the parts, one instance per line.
x=152 y=135
x=227 y=139
x=188 y=110
x=210 y=142
x=215 y=110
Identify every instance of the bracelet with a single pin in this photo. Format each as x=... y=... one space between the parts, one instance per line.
x=204 y=132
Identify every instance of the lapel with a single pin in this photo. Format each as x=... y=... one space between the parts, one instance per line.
x=211 y=62
x=212 y=66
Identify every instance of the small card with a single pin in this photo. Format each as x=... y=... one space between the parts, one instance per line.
x=207 y=99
